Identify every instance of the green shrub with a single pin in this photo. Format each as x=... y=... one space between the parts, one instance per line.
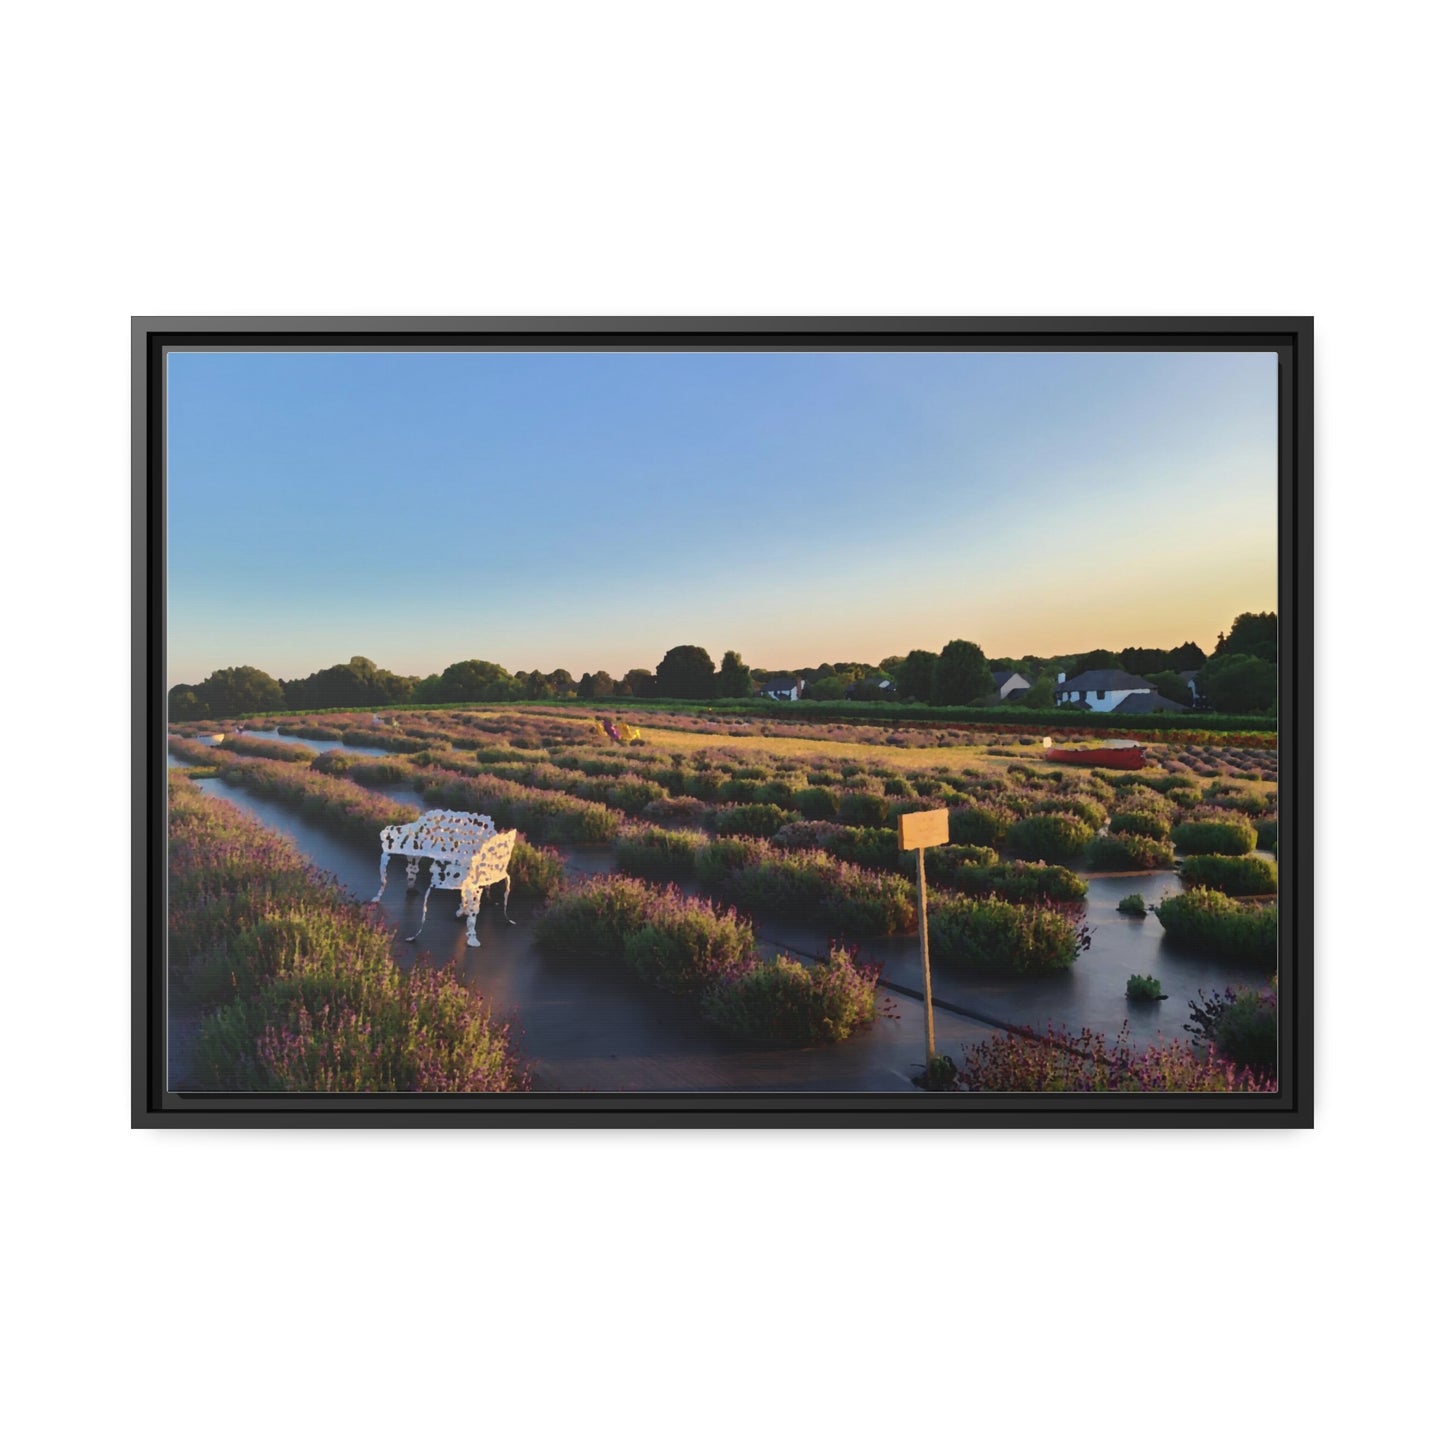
x=1126 y=853
x=1014 y=882
x=867 y=810
x=863 y=904
x=960 y=855
x=983 y=827
x=779 y=883
x=1186 y=797
x=595 y=917
x=1205 y=921
x=1268 y=830
x=659 y=852
x=1144 y=988
x=725 y=856
x=1247 y=1032
x=816 y=803
x=1089 y=811
x=535 y=872
x=784 y=1001
x=1143 y=825
x=1235 y=839
x=989 y=934
x=750 y=820
x=686 y=945
x=1249 y=875
x=1052 y=837
x=1132 y=905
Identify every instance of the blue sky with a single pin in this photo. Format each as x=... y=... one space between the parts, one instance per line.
x=590 y=510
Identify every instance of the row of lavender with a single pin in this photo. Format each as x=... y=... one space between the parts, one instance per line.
x=298 y=984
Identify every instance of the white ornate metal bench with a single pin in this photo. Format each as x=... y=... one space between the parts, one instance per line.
x=466 y=853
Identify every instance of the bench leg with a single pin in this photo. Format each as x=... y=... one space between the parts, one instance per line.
x=385 y=859
x=506 y=894
x=425 y=899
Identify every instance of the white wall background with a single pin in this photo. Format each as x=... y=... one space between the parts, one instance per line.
x=747 y=158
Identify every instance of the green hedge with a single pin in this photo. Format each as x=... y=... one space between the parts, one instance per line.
x=1235 y=839
x=1206 y=921
x=1052 y=837
x=1230 y=875
x=989 y=934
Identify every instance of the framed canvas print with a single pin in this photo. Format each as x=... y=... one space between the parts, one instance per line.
x=848 y=721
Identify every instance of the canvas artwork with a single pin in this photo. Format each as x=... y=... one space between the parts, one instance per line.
x=845 y=723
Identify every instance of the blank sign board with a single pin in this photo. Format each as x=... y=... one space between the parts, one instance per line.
x=923 y=830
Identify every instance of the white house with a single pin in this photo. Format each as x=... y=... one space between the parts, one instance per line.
x=782 y=688
x=1102 y=689
x=1010 y=682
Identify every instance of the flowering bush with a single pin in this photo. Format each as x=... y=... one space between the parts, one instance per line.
x=336 y=802
x=1060 y=1062
x=309 y=998
x=1247 y=1032
x=816 y=802
x=784 y=1001
x=1132 y=906
x=863 y=904
x=266 y=748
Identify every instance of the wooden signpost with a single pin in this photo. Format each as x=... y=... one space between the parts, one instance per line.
x=920 y=831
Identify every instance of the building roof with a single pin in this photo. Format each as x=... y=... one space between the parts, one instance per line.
x=1104 y=679
x=781 y=682
x=1149 y=702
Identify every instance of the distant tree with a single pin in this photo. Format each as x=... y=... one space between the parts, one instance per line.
x=536 y=686
x=233 y=690
x=471 y=681
x=915 y=676
x=1171 y=685
x=1186 y=657
x=734 y=679
x=1101 y=659
x=637 y=682
x=1143 y=660
x=961 y=674
x=183 y=704
x=686 y=671
x=1240 y=683
x=603 y=684
x=869 y=691
x=890 y=666
x=585 y=685
x=561 y=683
x=1254 y=634
x=1041 y=694
x=825 y=689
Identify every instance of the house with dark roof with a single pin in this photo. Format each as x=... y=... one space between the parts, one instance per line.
x=782 y=688
x=1005 y=683
x=1102 y=689
x=1142 y=702
x=871 y=686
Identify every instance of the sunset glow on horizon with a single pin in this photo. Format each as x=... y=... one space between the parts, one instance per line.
x=590 y=510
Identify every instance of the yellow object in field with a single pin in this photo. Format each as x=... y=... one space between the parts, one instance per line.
x=630 y=734
x=598 y=728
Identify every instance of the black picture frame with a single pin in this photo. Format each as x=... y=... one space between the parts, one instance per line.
x=1292 y=1106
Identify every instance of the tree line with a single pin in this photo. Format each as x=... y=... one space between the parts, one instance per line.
x=1241 y=675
